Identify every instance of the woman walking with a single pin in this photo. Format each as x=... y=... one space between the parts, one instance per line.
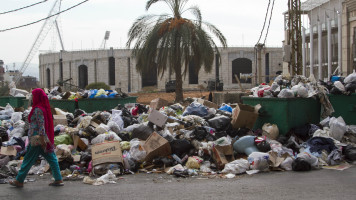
x=41 y=136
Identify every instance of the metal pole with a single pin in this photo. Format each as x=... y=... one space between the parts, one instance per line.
x=311 y=50
x=303 y=51
x=339 y=41
x=329 y=47
x=320 y=73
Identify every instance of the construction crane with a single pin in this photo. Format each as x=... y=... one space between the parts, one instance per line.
x=294 y=40
x=46 y=27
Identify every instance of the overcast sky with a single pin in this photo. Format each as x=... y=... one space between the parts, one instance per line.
x=84 y=27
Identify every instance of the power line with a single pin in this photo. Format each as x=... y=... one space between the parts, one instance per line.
x=10 y=11
x=264 y=24
x=269 y=23
x=16 y=27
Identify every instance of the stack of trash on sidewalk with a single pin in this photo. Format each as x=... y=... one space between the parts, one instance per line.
x=192 y=139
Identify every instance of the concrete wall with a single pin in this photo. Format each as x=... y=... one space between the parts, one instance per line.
x=98 y=68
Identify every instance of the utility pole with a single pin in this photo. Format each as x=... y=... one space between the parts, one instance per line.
x=295 y=36
x=259 y=48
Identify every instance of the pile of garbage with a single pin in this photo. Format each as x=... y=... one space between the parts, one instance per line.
x=195 y=138
x=300 y=86
x=57 y=94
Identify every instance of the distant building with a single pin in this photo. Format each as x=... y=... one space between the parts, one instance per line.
x=329 y=38
x=10 y=75
x=28 y=82
x=117 y=68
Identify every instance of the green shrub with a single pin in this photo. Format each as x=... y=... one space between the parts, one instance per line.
x=97 y=85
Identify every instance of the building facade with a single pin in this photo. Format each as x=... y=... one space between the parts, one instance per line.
x=329 y=44
x=117 y=68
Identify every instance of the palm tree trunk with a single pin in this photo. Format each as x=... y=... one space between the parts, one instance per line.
x=179 y=84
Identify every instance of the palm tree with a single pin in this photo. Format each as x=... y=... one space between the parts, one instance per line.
x=172 y=42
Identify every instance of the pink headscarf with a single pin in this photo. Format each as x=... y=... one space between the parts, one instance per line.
x=40 y=100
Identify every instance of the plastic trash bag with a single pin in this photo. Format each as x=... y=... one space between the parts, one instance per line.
x=300 y=91
x=337 y=128
x=110 y=136
x=101 y=129
x=226 y=108
x=287 y=164
x=109 y=177
x=339 y=86
x=236 y=167
x=196 y=108
x=63 y=139
x=142 y=132
x=8 y=110
x=116 y=117
x=205 y=167
x=305 y=162
x=286 y=93
x=351 y=87
x=219 y=123
x=84 y=122
x=270 y=130
x=350 y=78
x=258 y=161
x=350 y=152
x=16 y=116
x=137 y=153
x=194 y=162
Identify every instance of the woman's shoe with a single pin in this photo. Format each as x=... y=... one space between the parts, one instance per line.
x=15 y=183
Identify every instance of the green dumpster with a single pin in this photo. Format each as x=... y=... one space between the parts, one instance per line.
x=286 y=113
x=15 y=102
x=89 y=105
x=344 y=106
x=92 y=105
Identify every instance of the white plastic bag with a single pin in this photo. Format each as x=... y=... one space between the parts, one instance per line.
x=8 y=110
x=101 y=129
x=287 y=164
x=110 y=136
x=286 y=93
x=205 y=167
x=337 y=128
x=236 y=167
x=270 y=130
x=16 y=116
x=116 y=117
x=350 y=78
x=339 y=86
x=114 y=127
x=300 y=91
x=258 y=161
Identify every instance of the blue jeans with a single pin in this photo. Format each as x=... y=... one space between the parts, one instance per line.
x=30 y=159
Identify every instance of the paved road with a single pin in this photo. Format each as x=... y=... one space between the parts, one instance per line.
x=317 y=184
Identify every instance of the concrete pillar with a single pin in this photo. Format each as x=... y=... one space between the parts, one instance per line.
x=311 y=50
x=303 y=50
x=339 y=41
x=329 y=47
x=320 y=73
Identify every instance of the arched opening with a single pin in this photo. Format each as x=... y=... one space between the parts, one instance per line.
x=241 y=66
x=83 y=76
x=149 y=76
x=48 y=78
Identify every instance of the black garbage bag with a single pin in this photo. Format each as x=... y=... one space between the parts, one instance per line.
x=200 y=134
x=300 y=164
x=124 y=136
x=219 y=123
x=318 y=144
x=351 y=87
x=232 y=132
x=243 y=132
x=163 y=161
x=78 y=112
x=142 y=132
x=220 y=134
x=66 y=163
x=142 y=108
x=209 y=116
x=264 y=146
x=85 y=157
x=3 y=135
x=181 y=147
x=350 y=153
x=335 y=91
x=305 y=132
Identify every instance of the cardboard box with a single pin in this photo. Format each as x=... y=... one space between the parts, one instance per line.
x=59 y=119
x=244 y=116
x=223 y=155
x=8 y=151
x=79 y=143
x=106 y=152
x=156 y=146
x=208 y=104
x=157 y=118
x=158 y=103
